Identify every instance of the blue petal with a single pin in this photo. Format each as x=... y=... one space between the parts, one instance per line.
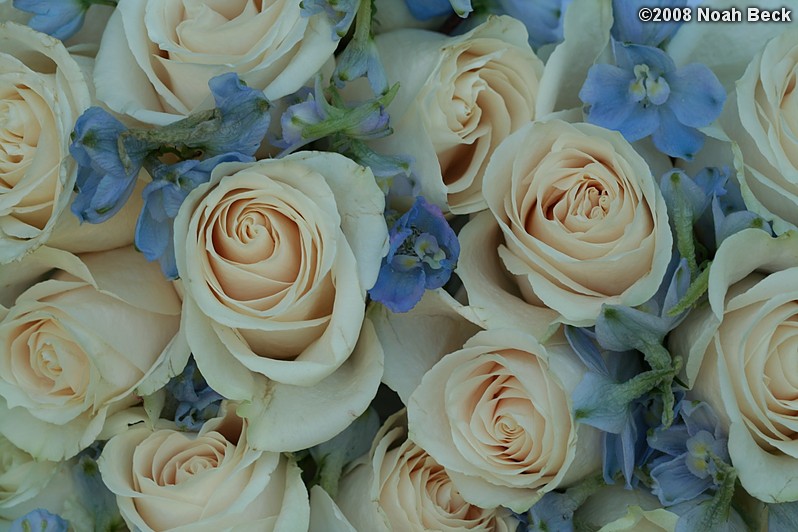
x=628 y=28
x=699 y=416
x=674 y=483
x=642 y=122
x=244 y=116
x=399 y=291
x=596 y=404
x=606 y=91
x=697 y=97
x=39 y=520
x=427 y=9
x=671 y=441
x=675 y=139
x=583 y=342
x=59 y=18
x=543 y=18
x=627 y=56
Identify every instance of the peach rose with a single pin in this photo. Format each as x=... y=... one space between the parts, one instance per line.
x=42 y=93
x=276 y=257
x=459 y=98
x=497 y=415
x=740 y=358
x=210 y=481
x=398 y=486
x=66 y=363
x=156 y=56
x=571 y=207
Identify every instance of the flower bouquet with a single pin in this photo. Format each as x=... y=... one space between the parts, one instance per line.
x=398 y=265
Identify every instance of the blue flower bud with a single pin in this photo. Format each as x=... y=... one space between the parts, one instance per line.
x=108 y=167
x=39 y=521
x=340 y=12
x=192 y=400
x=59 y=18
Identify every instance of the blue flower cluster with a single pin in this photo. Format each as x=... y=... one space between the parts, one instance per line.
x=110 y=157
x=190 y=398
x=422 y=255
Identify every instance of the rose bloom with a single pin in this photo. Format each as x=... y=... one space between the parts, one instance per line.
x=210 y=481
x=497 y=415
x=42 y=93
x=276 y=257
x=156 y=56
x=398 y=486
x=763 y=122
x=21 y=477
x=740 y=358
x=576 y=221
x=459 y=98
x=75 y=346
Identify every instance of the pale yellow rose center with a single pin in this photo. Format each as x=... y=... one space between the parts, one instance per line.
x=514 y=427
x=47 y=363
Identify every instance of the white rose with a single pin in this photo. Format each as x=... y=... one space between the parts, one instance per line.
x=571 y=206
x=276 y=257
x=74 y=347
x=740 y=358
x=156 y=56
x=497 y=415
x=210 y=481
x=42 y=93
x=459 y=97
x=762 y=120
x=398 y=486
x=616 y=509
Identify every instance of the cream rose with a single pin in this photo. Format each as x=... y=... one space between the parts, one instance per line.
x=42 y=93
x=210 y=481
x=459 y=97
x=763 y=121
x=497 y=415
x=74 y=347
x=276 y=257
x=398 y=486
x=740 y=357
x=156 y=56
x=576 y=221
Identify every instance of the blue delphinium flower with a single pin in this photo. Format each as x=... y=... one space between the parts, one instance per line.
x=554 y=512
x=427 y=9
x=194 y=402
x=340 y=12
x=543 y=18
x=628 y=28
x=162 y=199
x=39 y=520
x=645 y=94
x=244 y=118
x=422 y=254
x=691 y=450
x=59 y=18
x=106 y=177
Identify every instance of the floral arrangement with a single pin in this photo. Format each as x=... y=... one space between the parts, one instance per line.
x=374 y=265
